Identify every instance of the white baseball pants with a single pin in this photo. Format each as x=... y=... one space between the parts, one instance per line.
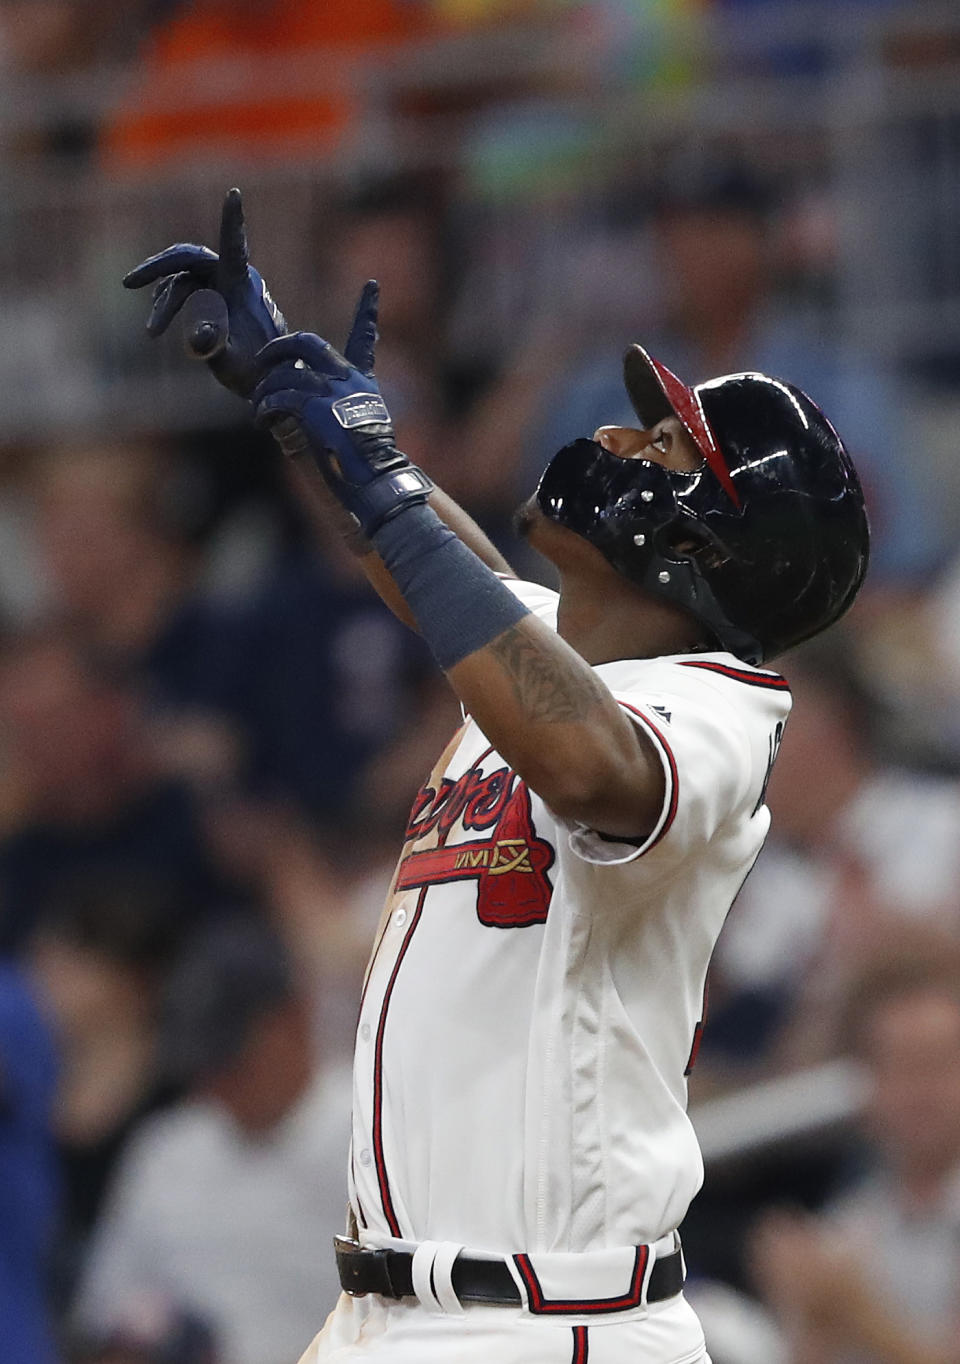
x=403 y=1332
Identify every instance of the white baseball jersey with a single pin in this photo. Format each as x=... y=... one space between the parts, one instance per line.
x=535 y=995
x=536 y=990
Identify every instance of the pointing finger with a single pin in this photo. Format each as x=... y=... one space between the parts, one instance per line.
x=234 y=255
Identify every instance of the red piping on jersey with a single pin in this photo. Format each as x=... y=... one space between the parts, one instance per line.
x=393 y=889
x=581 y=1346
x=379 y=1160
x=771 y=680
x=542 y=1306
x=671 y=762
x=378 y=1157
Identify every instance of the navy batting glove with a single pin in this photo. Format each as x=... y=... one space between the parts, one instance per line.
x=319 y=402
x=230 y=315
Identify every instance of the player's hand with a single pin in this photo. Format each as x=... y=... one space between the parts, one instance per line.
x=226 y=308
x=319 y=402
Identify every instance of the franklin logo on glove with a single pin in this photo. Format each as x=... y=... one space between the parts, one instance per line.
x=360 y=409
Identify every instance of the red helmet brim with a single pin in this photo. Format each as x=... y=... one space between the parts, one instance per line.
x=656 y=392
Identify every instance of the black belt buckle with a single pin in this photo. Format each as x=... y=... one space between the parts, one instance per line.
x=363 y=1271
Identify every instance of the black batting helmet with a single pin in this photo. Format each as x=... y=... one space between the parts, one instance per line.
x=766 y=543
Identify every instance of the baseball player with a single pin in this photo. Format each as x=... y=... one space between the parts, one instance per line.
x=521 y=1157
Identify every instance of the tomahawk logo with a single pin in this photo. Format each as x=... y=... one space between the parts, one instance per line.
x=509 y=864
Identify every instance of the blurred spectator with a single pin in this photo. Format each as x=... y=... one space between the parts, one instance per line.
x=116 y=529
x=81 y=789
x=855 y=846
x=738 y=1330
x=117 y=533
x=324 y=895
x=916 y=653
x=97 y=962
x=323 y=678
x=152 y=1332
x=54 y=40
x=254 y=78
x=876 y=1279
x=240 y=692
x=23 y=581
x=54 y=37
x=226 y=1203
x=28 y=1184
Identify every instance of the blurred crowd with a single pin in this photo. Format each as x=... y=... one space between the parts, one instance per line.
x=211 y=732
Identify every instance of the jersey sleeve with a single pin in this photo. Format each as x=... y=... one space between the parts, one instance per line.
x=716 y=738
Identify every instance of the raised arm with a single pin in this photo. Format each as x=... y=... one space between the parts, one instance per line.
x=536 y=699
x=334 y=520
x=538 y=702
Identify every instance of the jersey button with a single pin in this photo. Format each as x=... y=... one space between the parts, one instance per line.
x=400 y=918
x=365 y=1032
x=365 y=1157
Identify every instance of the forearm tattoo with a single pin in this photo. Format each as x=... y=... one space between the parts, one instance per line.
x=547 y=693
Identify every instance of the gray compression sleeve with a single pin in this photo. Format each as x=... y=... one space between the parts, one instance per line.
x=460 y=605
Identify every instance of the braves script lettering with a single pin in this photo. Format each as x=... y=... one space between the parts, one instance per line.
x=509 y=865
